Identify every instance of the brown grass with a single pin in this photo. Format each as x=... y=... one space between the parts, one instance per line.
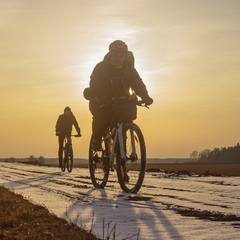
x=21 y=219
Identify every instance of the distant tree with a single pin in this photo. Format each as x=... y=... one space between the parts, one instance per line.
x=12 y=159
x=221 y=155
x=31 y=158
x=41 y=160
x=203 y=155
x=194 y=155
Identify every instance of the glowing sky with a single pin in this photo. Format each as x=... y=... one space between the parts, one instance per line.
x=187 y=53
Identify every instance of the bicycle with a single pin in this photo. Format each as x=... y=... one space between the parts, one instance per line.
x=123 y=149
x=67 y=161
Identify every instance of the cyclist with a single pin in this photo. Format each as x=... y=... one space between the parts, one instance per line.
x=64 y=128
x=112 y=78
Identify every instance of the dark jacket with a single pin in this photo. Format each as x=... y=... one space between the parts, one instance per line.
x=108 y=82
x=64 y=124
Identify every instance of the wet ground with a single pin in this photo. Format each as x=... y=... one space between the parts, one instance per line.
x=172 y=205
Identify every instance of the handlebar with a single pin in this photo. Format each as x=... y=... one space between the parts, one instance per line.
x=76 y=135
x=72 y=135
x=142 y=104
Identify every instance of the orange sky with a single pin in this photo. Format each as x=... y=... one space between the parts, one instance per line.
x=187 y=53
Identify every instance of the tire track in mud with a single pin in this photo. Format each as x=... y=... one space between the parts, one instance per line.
x=186 y=211
x=40 y=179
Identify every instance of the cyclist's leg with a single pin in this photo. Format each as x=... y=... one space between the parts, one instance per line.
x=98 y=159
x=69 y=140
x=97 y=132
x=101 y=120
x=60 y=149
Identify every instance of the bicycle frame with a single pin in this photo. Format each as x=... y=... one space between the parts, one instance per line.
x=117 y=136
x=113 y=135
x=67 y=141
x=123 y=149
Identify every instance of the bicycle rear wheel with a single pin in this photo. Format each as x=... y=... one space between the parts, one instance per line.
x=98 y=166
x=69 y=159
x=131 y=169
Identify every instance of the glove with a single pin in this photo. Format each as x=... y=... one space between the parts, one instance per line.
x=79 y=135
x=148 y=101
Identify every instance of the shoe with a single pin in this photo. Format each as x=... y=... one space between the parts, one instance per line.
x=96 y=145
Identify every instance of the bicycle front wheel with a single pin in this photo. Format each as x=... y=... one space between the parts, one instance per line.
x=64 y=161
x=131 y=168
x=69 y=159
x=98 y=166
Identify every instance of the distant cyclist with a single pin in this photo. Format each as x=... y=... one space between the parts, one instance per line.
x=64 y=128
x=111 y=79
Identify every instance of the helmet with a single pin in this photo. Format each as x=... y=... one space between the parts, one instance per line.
x=67 y=109
x=118 y=45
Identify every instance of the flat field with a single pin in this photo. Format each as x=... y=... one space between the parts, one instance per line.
x=200 y=168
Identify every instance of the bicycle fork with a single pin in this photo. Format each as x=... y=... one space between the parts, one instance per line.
x=123 y=151
x=117 y=137
x=133 y=156
x=111 y=148
x=121 y=143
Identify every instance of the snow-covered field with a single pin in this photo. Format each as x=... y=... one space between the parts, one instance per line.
x=156 y=212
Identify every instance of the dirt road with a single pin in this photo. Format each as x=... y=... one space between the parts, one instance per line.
x=168 y=206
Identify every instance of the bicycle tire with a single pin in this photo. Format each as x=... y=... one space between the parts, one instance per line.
x=69 y=159
x=64 y=161
x=131 y=170
x=98 y=166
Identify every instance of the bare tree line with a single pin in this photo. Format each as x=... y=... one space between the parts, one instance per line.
x=218 y=155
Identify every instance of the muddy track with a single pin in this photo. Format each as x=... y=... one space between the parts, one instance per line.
x=190 y=196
